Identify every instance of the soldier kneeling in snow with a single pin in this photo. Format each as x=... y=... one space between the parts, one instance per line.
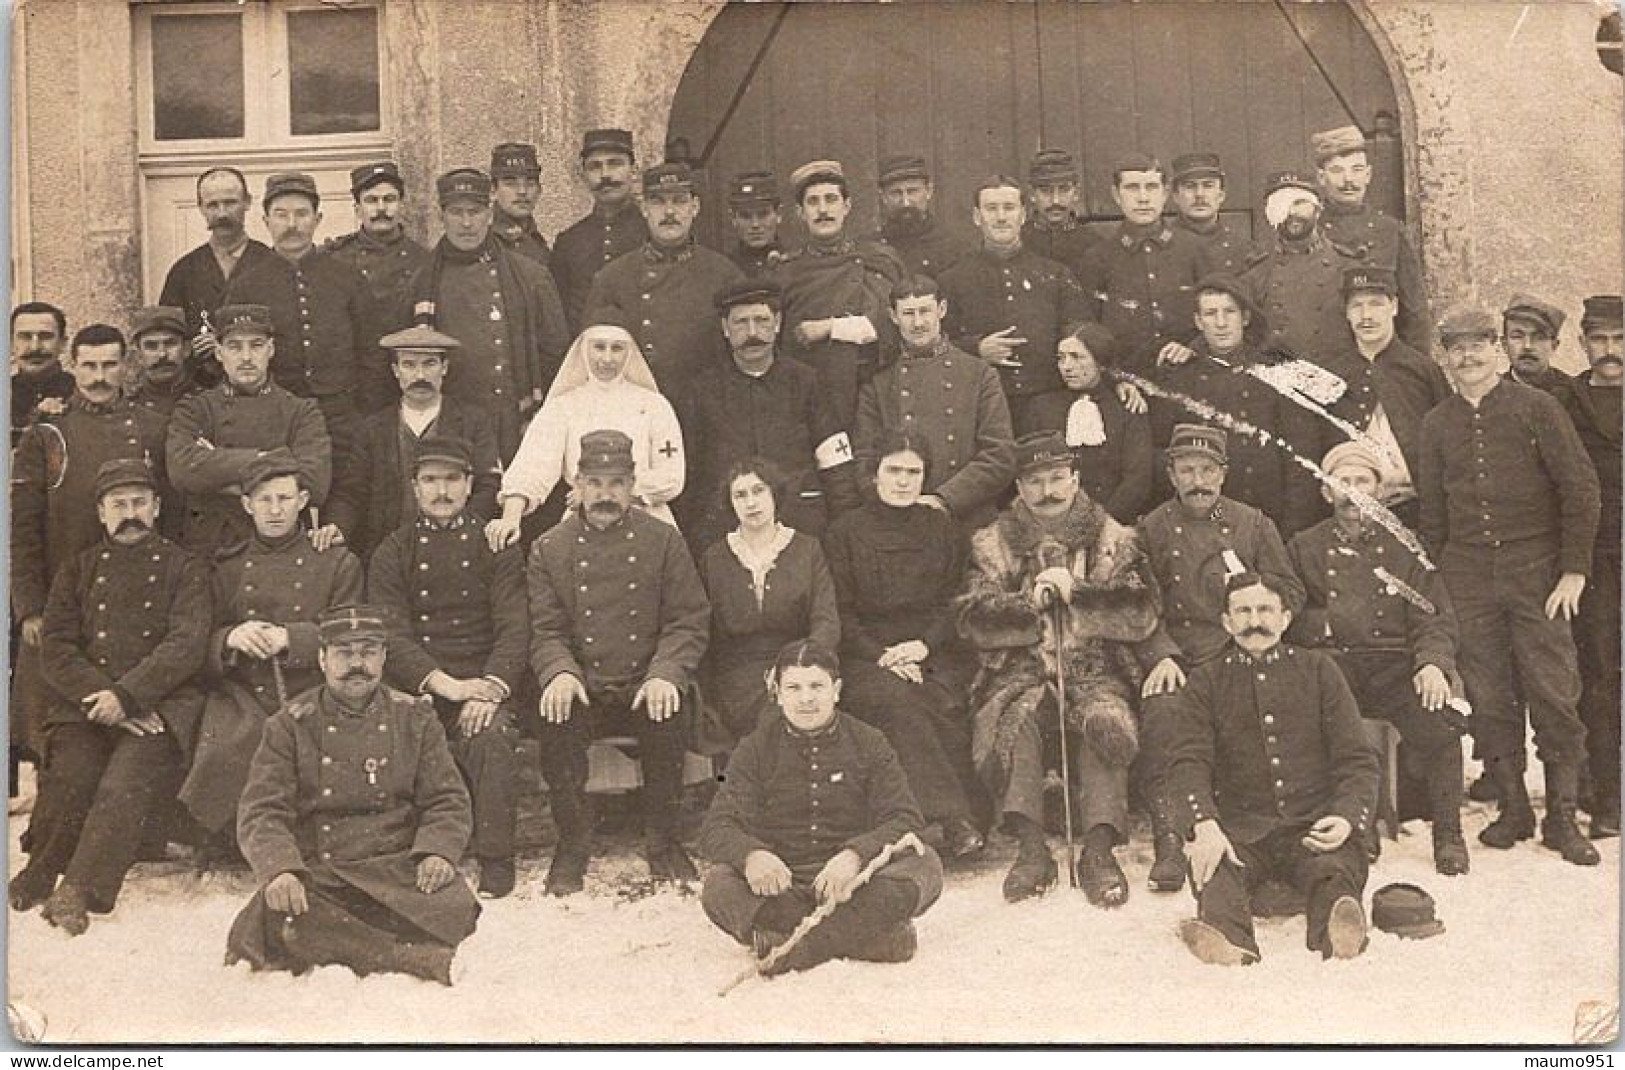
x=809 y=801
x=352 y=819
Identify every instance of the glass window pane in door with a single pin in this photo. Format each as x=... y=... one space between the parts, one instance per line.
x=197 y=76
x=333 y=67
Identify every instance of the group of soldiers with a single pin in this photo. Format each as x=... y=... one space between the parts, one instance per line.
x=297 y=561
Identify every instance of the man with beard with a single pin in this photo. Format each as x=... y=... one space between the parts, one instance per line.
x=1010 y=306
x=459 y=633
x=836 y=289
x=163 y=358
x=754 y=215
x=1530 y=333
x=1195 y=543
x=1056 y=552
x=619 y=621
x=215 y=435
x=920 y=239
x=1372 y=238
x=375 y=492
x=1297 y=281
x=664 y=290
x=353 y=820
x=1593 y=403
x=123 y=635
x=515 y=185
x=1510 y=507
x=1268 y=761
x=613 y=228
x=39 y=383
x=1198 y=182
x=1055 y=229
x=385 y=258
x=950 y=400
x=1394 y=641
x=501 y=306
x=761 y=403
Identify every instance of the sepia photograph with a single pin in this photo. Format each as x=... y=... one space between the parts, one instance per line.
x=815 y=522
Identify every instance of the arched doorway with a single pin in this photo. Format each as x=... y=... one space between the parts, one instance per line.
x=977 y=87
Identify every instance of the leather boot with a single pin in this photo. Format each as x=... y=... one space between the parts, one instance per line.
x=1450 y=856
x=496 y=877
x=30 y=888
x=1558 y=829
x=1345 y=929
x=1034 y=872
x=668 y=861
x=567 y=798
x=1098 y=873
x=1605 y=818
x=1483 y=789
x=1168 y=865
x=67 y=911
x=323 y=936
x=1516 y=821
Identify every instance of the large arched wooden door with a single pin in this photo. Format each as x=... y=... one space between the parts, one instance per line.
x=978 y=85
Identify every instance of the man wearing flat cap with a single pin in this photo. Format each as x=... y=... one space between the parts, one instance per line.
x=501 y=306
x=268 y=593
x=1593 y=403
x=124 y=633
x=836 y=289
x=374 y=493
x=163 y=358
x=515 y=185
x=925 y=243
x=1055 y=224
x=1198 y=194
x=1343 y=173
x=1510 y=508
x=664 y=289
x=754 y=216
x=1531 y=331
x=1387 y=622
x=619 y=622
x=353 y=820
x=460 y=634
x=761 y=403
x=215 y=435
x=40 y=385
x=613 y=228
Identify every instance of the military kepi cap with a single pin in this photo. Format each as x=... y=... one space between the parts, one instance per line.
x=1603 y=310
x=291 y=182
x=443 y=449
x=1467 y=320
x=1196 y=165
x=1406 y=911
x=124 y=472
x=1331 y=143
x=420 y=337
x=816 y=171
x=1198 y=440
x=239 y=319
x=1547 y=317
x=1281 y=180
x=157 y=317
x=369 y=175
x=749 y=292
x=271 y=464
x=463 y=184
x=670 y=177
x=355 y=621
x=753 y=188
x=606 y=141
x=1041 y=449
x=1362 y=278
x=899 y=166
x=606 y=453
x=514 y=159
x=1051 y=166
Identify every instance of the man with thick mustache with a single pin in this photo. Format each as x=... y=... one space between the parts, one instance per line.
x=163 y=358
x=922 y=240
x=515 y=185
x=1195 y=543
x=39 y=383
x=619 y=622
x=613 y=228
x=123 y=635
x=1198 y=194
x=1531 y=331
x=664 y=290
x=1055 y=227
x=353 y=820
x=374 y=493
x=754 y=216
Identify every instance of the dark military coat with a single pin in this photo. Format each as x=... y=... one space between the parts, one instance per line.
x=1300 y=291
x=27 y=391
x=1379 y=240
x=324 y=307
x=932 y=251
x=386 y=270
x=522 y=237
x=196 y=285
x=1552 y=380
x=1408 y=384
x=161 y=400
x=668 y=296
x=987 y=293
x=1067 y=245
x=582 y=249
x=1599 y=433
x=756 y=263
x=1144 y=290
x=1227 y=249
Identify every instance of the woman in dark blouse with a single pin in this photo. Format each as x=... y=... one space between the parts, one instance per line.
x=1111 y=446
x=768 y=585
x=897 y=564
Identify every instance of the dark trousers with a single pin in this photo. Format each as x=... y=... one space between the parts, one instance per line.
x=1381 y=682
x=902 y=889
x=927 y=726
x=1508 y=647
x=1597 y=637
x=99 y=789
x=488 y=763
x=1225 y=902
x=1099 y=791
x=660 y=752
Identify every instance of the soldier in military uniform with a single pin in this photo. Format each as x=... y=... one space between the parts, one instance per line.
x=502 y=306
x=515 y=185
x=163 y=358
x=664 y=290
x=1531 y=331
x=619 y=622
x=39 y=383
x=1198 y=194
x=1055 y=228
x=920 y=238
x=1297 y=279
x=213 y=436
x=460 y=634
x=613 y=228
x=1271 y=776
x=123 y=636
x=754 y=215
x=761 y=403
x=1510 y=508
x=380 y=251
x=836 y=289
x=1388 y=624
x=374 y=493
x=353 y=820
x=1374 y=239
x=268 y=592
x=1195 y=542
x=1010 y=306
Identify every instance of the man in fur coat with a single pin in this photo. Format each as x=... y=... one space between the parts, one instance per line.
x=1056 y=547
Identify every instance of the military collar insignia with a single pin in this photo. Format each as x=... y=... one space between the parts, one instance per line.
x=654 y=254
x=457 y=523
x=1238 y=656
x=843 y=247
x=1163 y=236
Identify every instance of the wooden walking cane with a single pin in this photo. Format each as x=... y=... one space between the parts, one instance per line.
x=1060 y=714
x=907 y=842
